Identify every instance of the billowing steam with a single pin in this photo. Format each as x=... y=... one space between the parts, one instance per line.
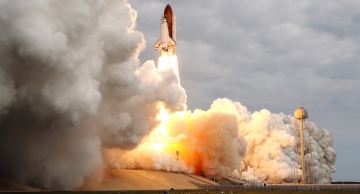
x=208 y=142
x=271 y=155
x=74 y=99
x=215 y=143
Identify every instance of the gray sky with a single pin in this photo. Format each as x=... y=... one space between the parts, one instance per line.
x=275 y=55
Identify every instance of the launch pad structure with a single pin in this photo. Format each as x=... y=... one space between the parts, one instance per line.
x=302 y=125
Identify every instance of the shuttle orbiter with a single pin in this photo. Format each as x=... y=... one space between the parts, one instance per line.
x=167 y=41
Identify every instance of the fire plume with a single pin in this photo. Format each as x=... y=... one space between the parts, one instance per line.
x=168 y=62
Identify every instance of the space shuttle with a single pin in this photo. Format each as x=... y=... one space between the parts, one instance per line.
x=167 y=42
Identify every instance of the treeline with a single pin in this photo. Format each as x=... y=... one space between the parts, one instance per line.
x=345 y=182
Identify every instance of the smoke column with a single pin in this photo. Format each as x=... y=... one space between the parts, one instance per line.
x=74 y=100
x=70 y=84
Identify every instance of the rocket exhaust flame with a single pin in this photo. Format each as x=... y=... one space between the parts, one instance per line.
x=168 y=62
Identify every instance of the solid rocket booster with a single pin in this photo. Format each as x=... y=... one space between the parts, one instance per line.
x=167 y=41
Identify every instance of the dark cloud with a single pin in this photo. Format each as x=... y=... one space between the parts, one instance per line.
x=341 y=19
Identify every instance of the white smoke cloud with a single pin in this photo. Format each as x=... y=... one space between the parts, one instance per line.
x=50 y=57
x=215 y=143
x=71 y=82
x=208 y=142
x=134 y=116
x=271 y=155
x=74 y=97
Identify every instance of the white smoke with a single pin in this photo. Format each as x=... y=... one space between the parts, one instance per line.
x=70 y=82
x=215 y=143
x=65 y=66
x=74 y=96
x=125 y=118
x=50 y=57
x=271 y=155
x=208 y=142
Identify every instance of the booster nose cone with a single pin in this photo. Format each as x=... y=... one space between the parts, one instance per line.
x=168 y=14
x=168 y=10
